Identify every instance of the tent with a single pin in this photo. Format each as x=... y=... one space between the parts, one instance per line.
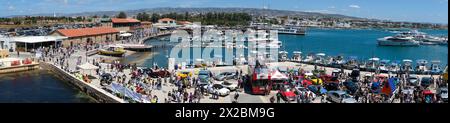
x=277 y=75
x=87 y=67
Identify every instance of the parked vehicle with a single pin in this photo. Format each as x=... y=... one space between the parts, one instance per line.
x=220 y=89
x=288 y=93
x=425 y=82
x=225 y=76
x=413 y=80
x=340 y=97
x=230 y=85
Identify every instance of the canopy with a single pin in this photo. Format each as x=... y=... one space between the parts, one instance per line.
x=374 y=59
x=297 y=52
x=407 y=60
x=320 y=54
x=37 y=39
x=277 y=75
x=87 y=66
x=309 y=74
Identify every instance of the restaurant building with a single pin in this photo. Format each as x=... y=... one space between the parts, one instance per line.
x=127 y=25
x=87 y=36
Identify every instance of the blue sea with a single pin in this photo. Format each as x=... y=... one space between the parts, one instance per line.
x=361 y=43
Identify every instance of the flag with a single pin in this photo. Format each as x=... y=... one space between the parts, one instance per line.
x=389 y=87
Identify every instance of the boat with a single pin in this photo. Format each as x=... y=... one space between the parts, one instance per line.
x=338 y=62
x=398 y=40
x=297 y=56
x=383 y=67
x=319 y=59
x=113 y=50
x=309 y=59
x=371 y=66
x=435 y=68
x=352 y=63
x=421 y=66
x=407 y=66
x=282 y=56
x=291 y=31
x=394 y=67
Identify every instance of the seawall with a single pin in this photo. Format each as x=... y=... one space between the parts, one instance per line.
x=98 y=94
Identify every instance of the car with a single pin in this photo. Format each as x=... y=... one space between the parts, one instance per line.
x=204 y=77
x=340 y=97
x=352 y=87
x=408 y=90
x=443 y=94
x=425 y=82
x=288 y=93
x=413 y=79
x=225 y=76
x=222 y=90
x=232 y=86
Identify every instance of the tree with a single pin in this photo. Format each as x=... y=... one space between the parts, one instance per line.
x=105 y=16
x=122 y=15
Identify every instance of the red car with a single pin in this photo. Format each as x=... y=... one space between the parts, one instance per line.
x=288 y=93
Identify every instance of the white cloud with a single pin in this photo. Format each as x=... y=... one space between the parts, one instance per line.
x=354 y=6
x=11 y=7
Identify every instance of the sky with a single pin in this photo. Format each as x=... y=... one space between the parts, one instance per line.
x=433 y=11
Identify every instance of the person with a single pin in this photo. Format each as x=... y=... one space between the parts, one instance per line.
x=236 y=96
x=272 y=99
x=278 y=97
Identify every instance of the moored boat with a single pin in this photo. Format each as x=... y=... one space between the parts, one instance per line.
x=113 y=51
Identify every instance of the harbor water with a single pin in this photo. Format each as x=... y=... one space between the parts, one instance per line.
x=38 y=86
x=360 y=43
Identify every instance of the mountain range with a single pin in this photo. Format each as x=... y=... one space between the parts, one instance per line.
x=252 y=11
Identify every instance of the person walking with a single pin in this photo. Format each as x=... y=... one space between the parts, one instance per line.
x=236 y=96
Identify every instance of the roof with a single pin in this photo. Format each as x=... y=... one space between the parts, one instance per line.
x=37 y=39
x=166 y=19
x=146 y=22
x=87 y=31
x=124 y=20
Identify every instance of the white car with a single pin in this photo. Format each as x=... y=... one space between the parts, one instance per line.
x=232 y=86
x=222 y=90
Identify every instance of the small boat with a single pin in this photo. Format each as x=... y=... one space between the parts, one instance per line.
x=338 y=62
x=383 y=66
x=352 y=63
x=436 y=68
x=421 y=67
x=372 y=64
x=282 y=56
x=297 y=56
x=309 y=59
x=406 y=66
x=394 y=67
x=113 y=51
x=319 y=59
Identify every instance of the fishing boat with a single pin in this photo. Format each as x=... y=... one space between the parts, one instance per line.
x=297 y=56
x=282 y=56
x=421 y=66
x=352 y=63
x=291 y=31
x=436 y=68
x=362 y=66
x=394 y=67
x=309 y=59
x=113 y=50
x=372 y=65
x=383 y=67
x=328 y=61
x=338 y=62
x=407 y=66
x=319 y=59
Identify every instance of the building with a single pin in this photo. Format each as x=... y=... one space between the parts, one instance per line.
x=168 y=21
x=87 y=36
x=30 y=43
x=126 y=24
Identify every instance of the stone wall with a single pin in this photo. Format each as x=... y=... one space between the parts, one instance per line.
x=97 y=93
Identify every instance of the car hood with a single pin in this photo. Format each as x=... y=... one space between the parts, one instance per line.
x=289 y=94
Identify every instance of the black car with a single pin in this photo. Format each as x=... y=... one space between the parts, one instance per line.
x=331 y=86
x=425 y=82
x=352 y=87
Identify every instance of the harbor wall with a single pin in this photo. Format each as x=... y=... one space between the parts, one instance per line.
x=20 y=68
x=98 y=94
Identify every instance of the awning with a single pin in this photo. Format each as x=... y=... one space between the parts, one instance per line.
x=126 y=35
x=87 y=66
x=37 y=39
x=277 y=75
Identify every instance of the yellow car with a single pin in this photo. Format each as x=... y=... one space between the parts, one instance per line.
x=184 y=74
x=316 y=81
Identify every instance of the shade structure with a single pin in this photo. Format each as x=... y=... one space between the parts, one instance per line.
x=87 y=66
x=277 y=75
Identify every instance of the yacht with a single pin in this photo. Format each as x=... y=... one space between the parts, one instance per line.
x=282 y=56
x=352 y=63
x=398 y=40
x=394 y=67
x=407 y=67
x=372 y=64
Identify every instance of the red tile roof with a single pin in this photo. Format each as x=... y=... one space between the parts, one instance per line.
x=87 y=31
x=166 y=19
x=127 y=20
